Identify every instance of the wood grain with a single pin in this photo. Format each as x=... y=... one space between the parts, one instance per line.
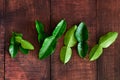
x=20 y=17
x=109 y=20
x=2 y=35
x=101 y=16
x=74 y=12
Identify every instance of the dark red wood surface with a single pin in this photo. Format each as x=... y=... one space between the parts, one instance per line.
x=108 y=66
x=74 y=12
x=2 y=45
x=20 y=16
x=100 y=16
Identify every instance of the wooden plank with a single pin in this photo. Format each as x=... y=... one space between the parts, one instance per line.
x=108 y=20
x=74 y=12
x=20 y=17
x=2 y=35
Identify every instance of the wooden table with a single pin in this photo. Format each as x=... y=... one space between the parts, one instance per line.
x=101 y=16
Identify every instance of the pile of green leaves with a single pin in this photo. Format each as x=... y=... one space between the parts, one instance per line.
x=49 y=43
x=18 y=43
x=80 y=34
x=73 y=35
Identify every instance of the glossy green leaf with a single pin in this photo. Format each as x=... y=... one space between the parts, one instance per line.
x=106 y=40
x=24 y=51
x=81 y=33
x=18 y=39
x=65 y=54
x=95 y=52
x=82 y=49
x=39 y=27
x=40 y=37
x=27 y=45
x=69 y=39
x=12 y=39
x=40 y=30
x=24 y=43
x=49 y=43
x=13 y=50
x=60 y=29
x=48 y=47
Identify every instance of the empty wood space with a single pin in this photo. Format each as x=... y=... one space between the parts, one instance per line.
x=101 y=16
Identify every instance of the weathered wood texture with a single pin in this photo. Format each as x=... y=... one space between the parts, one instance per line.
x=20 y=17
x=108 y=66
x=74 y=12
x=100 y=16
x=2 y=35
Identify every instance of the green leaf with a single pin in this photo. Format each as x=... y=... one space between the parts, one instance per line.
x=40 y=37
x=12 y=40
x=60 y=29
x=39 y=27
x=27 y=45
x=81 y=33
x=13 y=50
x=40 y=30
x=82 y=49
x=69 y=39
x=106 y=40
x=65 y=54
x=24 y=43
x=95 y=52
x=18 y=39
x=14 y=34
x=48 y=47
x=24 y=51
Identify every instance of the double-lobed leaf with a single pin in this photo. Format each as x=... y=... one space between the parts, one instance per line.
x=40 y=30
x=49 y=44
x=48 y=47
x=18 y=43
x=106 y=40
x=65 y=54
x=81 y=35
x=60 y=29
x=69 y=41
